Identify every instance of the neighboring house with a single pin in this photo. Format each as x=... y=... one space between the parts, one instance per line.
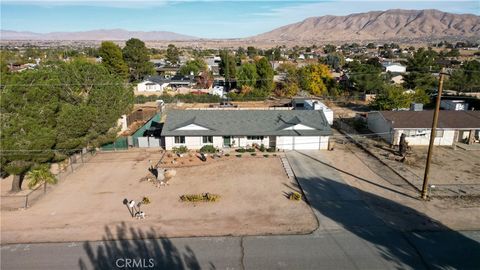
x=310 y=104
x=395 y=68
x=453 y=126
x=160 y=83
x=150 y=86
x=217 y=91
x=281 y=129
x=454 y=105
x=213 y=64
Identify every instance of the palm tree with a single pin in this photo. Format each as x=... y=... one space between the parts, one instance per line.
x=39 y=175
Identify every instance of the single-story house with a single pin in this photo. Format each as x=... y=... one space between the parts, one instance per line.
x=151 y=86
x=455 y=105
x=310 y=104
x=452 y=127
x=281 y=129
x=160 y=83
x=394 y=67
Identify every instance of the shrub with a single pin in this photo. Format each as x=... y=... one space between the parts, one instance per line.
x=238 y=155
x=251 y=150
x=205 y=197
x=266 y=155
x=227 y=154
x=240 y=150
x=262 y=148
x=146 y=200
x=271 y=149
x=295 y=196
x=253 y=154
x=180 y=150
x=208 y=149
x=274 y=155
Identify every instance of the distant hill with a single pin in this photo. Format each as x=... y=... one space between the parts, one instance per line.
x=392 y=24
x=103 y=34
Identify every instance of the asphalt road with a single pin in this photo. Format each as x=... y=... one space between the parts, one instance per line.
x=350 y=236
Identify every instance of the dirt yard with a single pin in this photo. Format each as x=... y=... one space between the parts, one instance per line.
x=448 y=166
x=252 y=189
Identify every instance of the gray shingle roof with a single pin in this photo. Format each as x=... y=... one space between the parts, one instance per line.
x=246 y=123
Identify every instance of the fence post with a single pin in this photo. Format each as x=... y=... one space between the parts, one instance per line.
x=44 y=187
x=71 y=162
x=26 y=201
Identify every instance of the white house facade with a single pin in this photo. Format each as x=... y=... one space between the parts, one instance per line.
x=453 y=126
x=150 y=86
x=284 y=130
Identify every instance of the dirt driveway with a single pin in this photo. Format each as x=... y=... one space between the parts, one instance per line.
x=252 y=188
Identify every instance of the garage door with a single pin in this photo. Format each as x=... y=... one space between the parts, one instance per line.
x=285 y=142
x=298 y=142
x=306 y=143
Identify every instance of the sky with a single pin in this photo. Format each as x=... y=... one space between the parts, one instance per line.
x=199 y=18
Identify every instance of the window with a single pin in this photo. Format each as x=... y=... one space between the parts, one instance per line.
x=179 y=139
x=254 y=138
x=421 y=132
x=207 y=139
x=439 y=133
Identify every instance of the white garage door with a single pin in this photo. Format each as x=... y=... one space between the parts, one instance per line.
x=306 y=143
x=298 y=143
x=285 y=142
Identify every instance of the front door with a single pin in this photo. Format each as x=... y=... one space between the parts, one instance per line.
x=227 y=141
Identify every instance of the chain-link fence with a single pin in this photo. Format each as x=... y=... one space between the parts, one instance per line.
x=28 y=198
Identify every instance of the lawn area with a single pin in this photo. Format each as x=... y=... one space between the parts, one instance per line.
x=252 y=191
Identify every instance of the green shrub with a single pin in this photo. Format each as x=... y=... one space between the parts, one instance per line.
x=295 y=196
x=262 y=148
x=180 y=150
x=208 y=149
x=271 y=149
x=238 y=155
x=253 y=154
x=227 y=154
x=251 y=150
x=240 y=150
x=266 y=155
x=205 y=197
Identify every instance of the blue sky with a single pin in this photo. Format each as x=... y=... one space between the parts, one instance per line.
x=200 y=18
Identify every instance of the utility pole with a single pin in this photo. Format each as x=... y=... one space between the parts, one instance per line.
x=432 y=136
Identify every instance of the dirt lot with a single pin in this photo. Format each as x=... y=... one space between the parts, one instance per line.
x=252 y=201
x=448 y=166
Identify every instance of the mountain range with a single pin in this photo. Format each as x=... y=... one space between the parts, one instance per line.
x=102 y=34
x=394 y=24
x=379 y=25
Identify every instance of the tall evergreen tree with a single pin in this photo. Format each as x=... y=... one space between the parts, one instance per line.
x=112 y=59
x=137 y=57
x=52 y=112
x=265 y=75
